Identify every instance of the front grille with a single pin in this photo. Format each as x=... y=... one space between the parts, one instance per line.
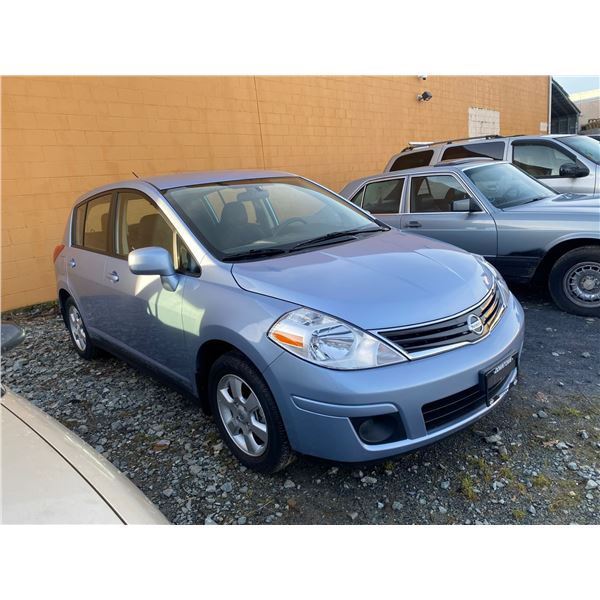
x=441 y=412
x=420 y=340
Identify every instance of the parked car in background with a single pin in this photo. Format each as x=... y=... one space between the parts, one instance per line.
x=566 y=163
x=49 y=475
x=527 y=230
x=301 y=322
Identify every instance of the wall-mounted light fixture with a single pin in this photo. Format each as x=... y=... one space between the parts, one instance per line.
x=422 y=77
x=425 y=96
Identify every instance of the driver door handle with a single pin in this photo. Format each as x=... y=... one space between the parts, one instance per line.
x=113 y=276
x=413 y=224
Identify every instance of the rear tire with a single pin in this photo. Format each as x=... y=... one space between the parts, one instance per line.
x=246 y=414
x=79 y=335
x=574 y=281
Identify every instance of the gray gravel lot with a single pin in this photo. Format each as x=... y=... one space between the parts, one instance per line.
x=534 y=459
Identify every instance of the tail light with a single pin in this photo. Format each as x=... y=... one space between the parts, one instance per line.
x=57 y=251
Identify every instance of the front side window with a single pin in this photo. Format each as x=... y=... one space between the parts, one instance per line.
x=504 y=185
x=383 y=197
x=493 y=150
x=540 y=160
x=273 y=214
x=96 y=227
x=140 y=225
x=435 y=193
x=412 y=160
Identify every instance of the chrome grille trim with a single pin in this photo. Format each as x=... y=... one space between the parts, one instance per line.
x=433 y=337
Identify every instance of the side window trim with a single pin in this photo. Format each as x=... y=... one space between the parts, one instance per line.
x=462 y=184
x=110 y=233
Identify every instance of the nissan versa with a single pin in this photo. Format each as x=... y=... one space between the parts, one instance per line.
x=301 y=322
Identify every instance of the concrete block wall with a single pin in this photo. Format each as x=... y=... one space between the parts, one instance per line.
x=62 y=136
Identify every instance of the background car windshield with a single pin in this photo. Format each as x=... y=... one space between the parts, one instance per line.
x=504 y=185
x=587 y=146
x=262 y=214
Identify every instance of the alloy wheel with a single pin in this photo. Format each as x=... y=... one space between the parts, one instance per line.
x=242 y=415
x=582 y=284
x=77 y=328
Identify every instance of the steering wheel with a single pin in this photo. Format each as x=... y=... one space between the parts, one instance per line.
x=287 y=222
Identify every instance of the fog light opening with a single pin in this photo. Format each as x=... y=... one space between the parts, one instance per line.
x=379 y=429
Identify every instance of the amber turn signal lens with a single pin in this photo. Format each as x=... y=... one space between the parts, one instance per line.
x=57 y=251
x=289 y=339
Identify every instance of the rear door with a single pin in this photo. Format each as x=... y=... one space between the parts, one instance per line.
x=145 y=318
x=429 y=206
x=86 y=258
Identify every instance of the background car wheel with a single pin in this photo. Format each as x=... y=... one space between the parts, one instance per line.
x=79 y=335
x=247 y=415
x=575 y=281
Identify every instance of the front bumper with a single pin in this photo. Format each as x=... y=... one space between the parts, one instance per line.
x=317 y=404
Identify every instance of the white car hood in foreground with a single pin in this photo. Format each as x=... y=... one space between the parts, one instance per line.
x=49 y=475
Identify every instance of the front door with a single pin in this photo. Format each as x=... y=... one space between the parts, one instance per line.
x=544 y=159
x=430 y=213
x=145 y=318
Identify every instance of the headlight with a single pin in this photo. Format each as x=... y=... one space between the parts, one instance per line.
x=331 y=343
x=504 y=291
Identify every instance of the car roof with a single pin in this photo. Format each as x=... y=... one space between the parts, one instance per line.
x=455 y=165
x=173 y=180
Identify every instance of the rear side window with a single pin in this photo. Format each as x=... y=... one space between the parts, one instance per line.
x=96 y=224
x=383 y=197
x=78 y=225
x=493 y=150
x=413 y=160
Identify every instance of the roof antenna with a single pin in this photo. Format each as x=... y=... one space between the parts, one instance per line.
x=135 y=174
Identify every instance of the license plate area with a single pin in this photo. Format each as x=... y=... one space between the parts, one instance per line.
x=496 y=375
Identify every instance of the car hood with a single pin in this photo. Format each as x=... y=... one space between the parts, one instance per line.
x=562 y=203
x=385 y=280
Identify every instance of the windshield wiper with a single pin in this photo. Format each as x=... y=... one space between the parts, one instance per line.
x=336 y=234
x=254 y=253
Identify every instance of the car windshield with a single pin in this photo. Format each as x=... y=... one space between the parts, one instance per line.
x=505 y=185
x=585 y=145
x=263 y=217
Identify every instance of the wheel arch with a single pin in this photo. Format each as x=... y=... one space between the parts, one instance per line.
x=559 y=249
x=63 y=296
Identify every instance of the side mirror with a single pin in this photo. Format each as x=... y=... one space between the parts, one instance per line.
x=11 y=335
x=154 y=261
x=464 y=205
x=573 y=170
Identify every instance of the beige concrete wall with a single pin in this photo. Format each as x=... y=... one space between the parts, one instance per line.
x=62 y=136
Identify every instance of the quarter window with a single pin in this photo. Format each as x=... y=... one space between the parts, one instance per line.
x=413 y=160
x=357 y=198
x=95 y=229
x=435 y=193
x=540 y=160
x=140 y=224
x=493 y=150
x=383 y=197
x=78 y=225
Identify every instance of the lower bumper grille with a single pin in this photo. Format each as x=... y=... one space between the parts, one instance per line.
x=441 y=412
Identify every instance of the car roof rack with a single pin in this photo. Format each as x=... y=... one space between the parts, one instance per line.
x=413 y=145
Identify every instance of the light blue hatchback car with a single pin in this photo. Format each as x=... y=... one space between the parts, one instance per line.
x=300 y=321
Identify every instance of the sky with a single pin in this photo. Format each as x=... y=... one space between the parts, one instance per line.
x=578 y=84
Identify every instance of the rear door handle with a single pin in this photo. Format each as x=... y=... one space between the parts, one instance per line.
x=413 y=224
x=114 y=276
x=72 y=263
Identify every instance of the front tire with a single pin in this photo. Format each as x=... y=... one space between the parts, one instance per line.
x=246 y=414
x=574 y=281
x=78 y=332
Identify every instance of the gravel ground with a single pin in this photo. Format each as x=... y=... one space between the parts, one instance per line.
x=534 y=459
